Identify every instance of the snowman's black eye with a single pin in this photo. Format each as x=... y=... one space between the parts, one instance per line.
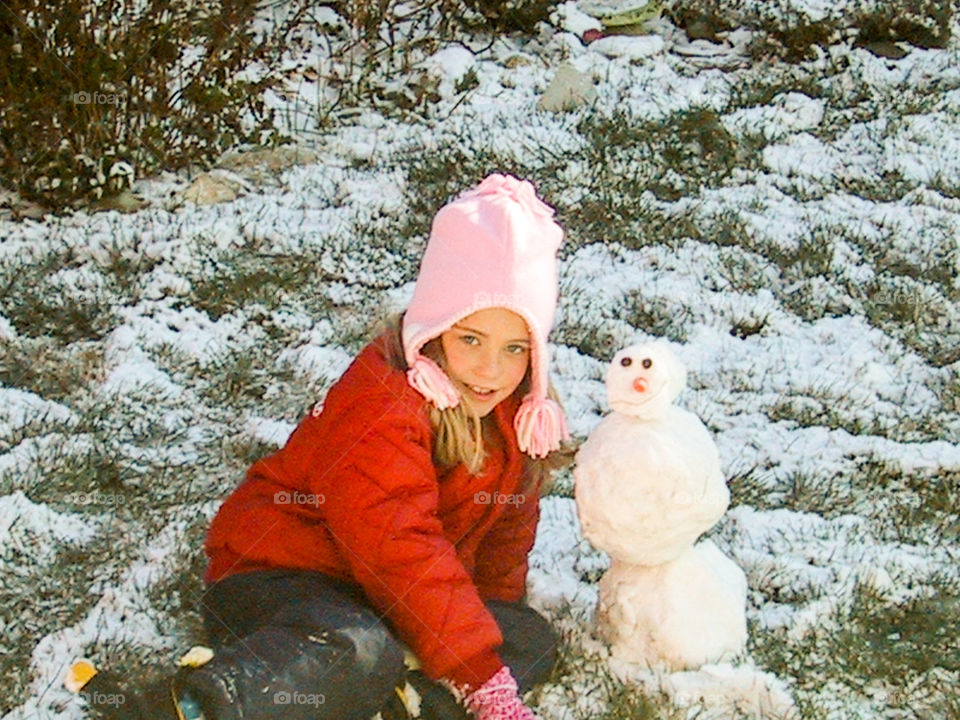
x=626 y=362
x=647 y=362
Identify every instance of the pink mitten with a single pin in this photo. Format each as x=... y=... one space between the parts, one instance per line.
x=498 y=699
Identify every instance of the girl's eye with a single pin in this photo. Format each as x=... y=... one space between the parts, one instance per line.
x=470 y=339
x=516 y=349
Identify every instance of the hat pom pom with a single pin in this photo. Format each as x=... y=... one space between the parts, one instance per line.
x=427 y=378
x=521 y=191
x=540 y=426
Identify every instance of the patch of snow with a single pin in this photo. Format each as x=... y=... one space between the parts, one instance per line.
x=266 y=430
x=322 y=364
x=122 y=614
x=787 y=113
x=19 y=408
x=567 y=16
x=33 y=530
x=8 y=333
x=450 y=65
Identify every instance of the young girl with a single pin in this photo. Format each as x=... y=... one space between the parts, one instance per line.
x=397 y=520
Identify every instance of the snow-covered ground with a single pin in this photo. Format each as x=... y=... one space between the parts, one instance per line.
x=807 y=272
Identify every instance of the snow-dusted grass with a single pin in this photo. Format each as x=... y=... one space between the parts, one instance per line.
x=793 y=228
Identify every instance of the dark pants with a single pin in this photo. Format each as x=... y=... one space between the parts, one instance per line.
x=300 y=645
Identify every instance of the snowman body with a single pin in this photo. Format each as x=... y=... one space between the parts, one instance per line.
x=647 y=489
x=681 y=614
x=648 y=484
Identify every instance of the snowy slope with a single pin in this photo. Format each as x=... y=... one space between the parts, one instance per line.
x=811 y=291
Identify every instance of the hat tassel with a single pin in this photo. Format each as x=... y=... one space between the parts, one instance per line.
x=540 y=426
x=427 y=378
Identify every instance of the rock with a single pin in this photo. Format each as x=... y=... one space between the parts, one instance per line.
x=517 y=60
x=206 y=190
x=886 y=49
x=568 y=90
x=630 y=47
x=622 y=12
x=215 y=186
x=700 y=29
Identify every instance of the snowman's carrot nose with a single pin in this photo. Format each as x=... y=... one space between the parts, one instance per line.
x=640 y=384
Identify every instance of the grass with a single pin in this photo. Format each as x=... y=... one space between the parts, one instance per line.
x=48 y=369
x=656 y=316
x=926 y=509
x=814 y=407
x=597 y=342
x=670 y=158
x=37 y=306
x=875 y=649
x=744 y=271
x=37 y=601
x=914 y=508
x=750 y=486
x=246 y=279
x=242 y=380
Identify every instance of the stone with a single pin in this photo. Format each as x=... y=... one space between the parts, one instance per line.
x=700 y=28
x=628 y=46
x=886 y=49
x=569 y=90
x=213 y=187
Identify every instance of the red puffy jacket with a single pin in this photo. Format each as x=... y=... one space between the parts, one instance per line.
x=355 y=494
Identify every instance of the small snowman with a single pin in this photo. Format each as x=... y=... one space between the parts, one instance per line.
x=648 y=485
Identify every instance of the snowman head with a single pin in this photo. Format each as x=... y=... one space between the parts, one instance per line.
x=643 y=380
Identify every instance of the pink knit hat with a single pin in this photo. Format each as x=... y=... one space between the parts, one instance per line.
x=494 y=246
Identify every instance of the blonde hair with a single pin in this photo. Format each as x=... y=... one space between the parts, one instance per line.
x=458 y=433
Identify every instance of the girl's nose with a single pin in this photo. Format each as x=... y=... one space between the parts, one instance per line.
x=488 y=366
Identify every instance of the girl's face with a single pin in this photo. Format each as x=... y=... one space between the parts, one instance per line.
x=487 y=355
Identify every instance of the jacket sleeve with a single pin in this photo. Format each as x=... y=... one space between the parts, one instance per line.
x=381 y=499
x=501 y=567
